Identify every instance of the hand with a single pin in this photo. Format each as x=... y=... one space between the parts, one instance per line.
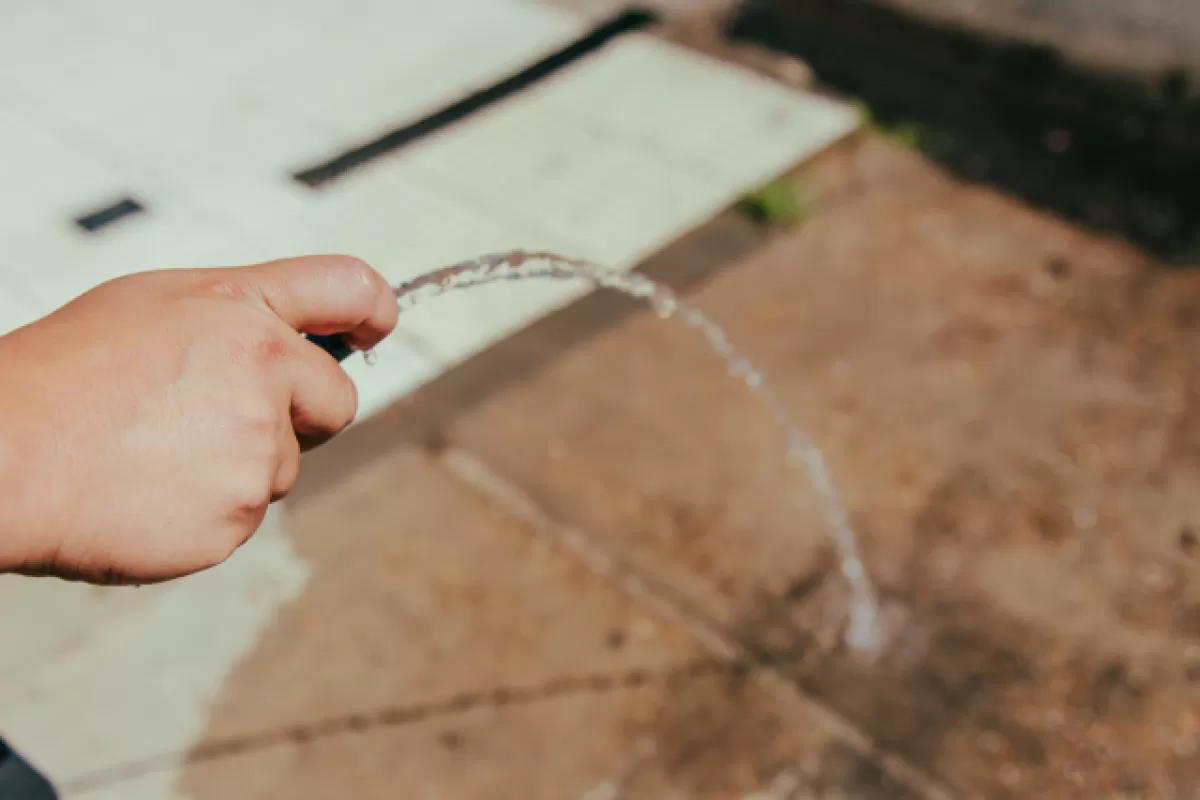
x=148 y=424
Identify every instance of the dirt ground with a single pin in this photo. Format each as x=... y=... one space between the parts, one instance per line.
x=579 y=566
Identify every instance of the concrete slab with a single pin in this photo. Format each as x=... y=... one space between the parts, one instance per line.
x=1006 y=405
x=93 y=677
x=1003 y=400
x=135 y=103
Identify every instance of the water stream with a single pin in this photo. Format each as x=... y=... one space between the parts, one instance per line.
x=864 y=632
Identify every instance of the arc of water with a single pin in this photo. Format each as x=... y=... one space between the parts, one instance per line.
x=864 y=633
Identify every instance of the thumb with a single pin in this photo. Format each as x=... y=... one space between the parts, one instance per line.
x=326 y=294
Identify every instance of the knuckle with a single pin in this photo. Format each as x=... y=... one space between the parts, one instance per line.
x=225 y=283
x=340 y=406
x=265 y=344
x=256 y=340
x=247 y=500
x=250 y=491
x=285 y=478
x=330 y=410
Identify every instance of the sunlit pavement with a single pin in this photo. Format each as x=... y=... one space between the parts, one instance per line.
x=144 y=135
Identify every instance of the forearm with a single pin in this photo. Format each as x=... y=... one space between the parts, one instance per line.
x=14 y=529
x=17 y=534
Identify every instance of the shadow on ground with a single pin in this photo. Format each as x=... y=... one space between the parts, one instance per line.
x=1116 y=151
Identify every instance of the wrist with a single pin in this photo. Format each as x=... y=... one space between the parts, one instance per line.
x=17 y=534
x=23 y=518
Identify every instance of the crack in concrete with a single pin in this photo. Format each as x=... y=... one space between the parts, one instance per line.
x=391 y=716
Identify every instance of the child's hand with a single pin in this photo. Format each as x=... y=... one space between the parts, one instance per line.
x=148 y=424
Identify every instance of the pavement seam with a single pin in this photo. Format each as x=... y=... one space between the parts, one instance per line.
x=397 y=715
x=476 y=475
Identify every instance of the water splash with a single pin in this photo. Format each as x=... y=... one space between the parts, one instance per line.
x=864 y=633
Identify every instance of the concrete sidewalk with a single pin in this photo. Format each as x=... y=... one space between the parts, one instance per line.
x=577 y=565
x=103 y=111
x=593 y=576
x=1009 y=406
x=609 y=158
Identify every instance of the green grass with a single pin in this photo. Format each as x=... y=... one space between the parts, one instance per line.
x=913 y=135
x=778 y=204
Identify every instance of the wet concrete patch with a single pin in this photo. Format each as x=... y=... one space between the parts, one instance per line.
x=436 y=647
x=1002 y=419
x=729 y=735
x=442 y=647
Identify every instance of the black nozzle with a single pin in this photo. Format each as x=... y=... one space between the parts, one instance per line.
x=334 y=344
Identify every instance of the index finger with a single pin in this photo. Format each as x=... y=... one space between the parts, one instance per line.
x=325 y=295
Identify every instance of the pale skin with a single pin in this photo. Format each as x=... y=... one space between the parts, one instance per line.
x=148 y=424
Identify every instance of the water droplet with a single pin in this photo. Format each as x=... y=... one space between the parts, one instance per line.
x=864 y=636
x=1084 y=518
x=852 y=568
x=1153 y=577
